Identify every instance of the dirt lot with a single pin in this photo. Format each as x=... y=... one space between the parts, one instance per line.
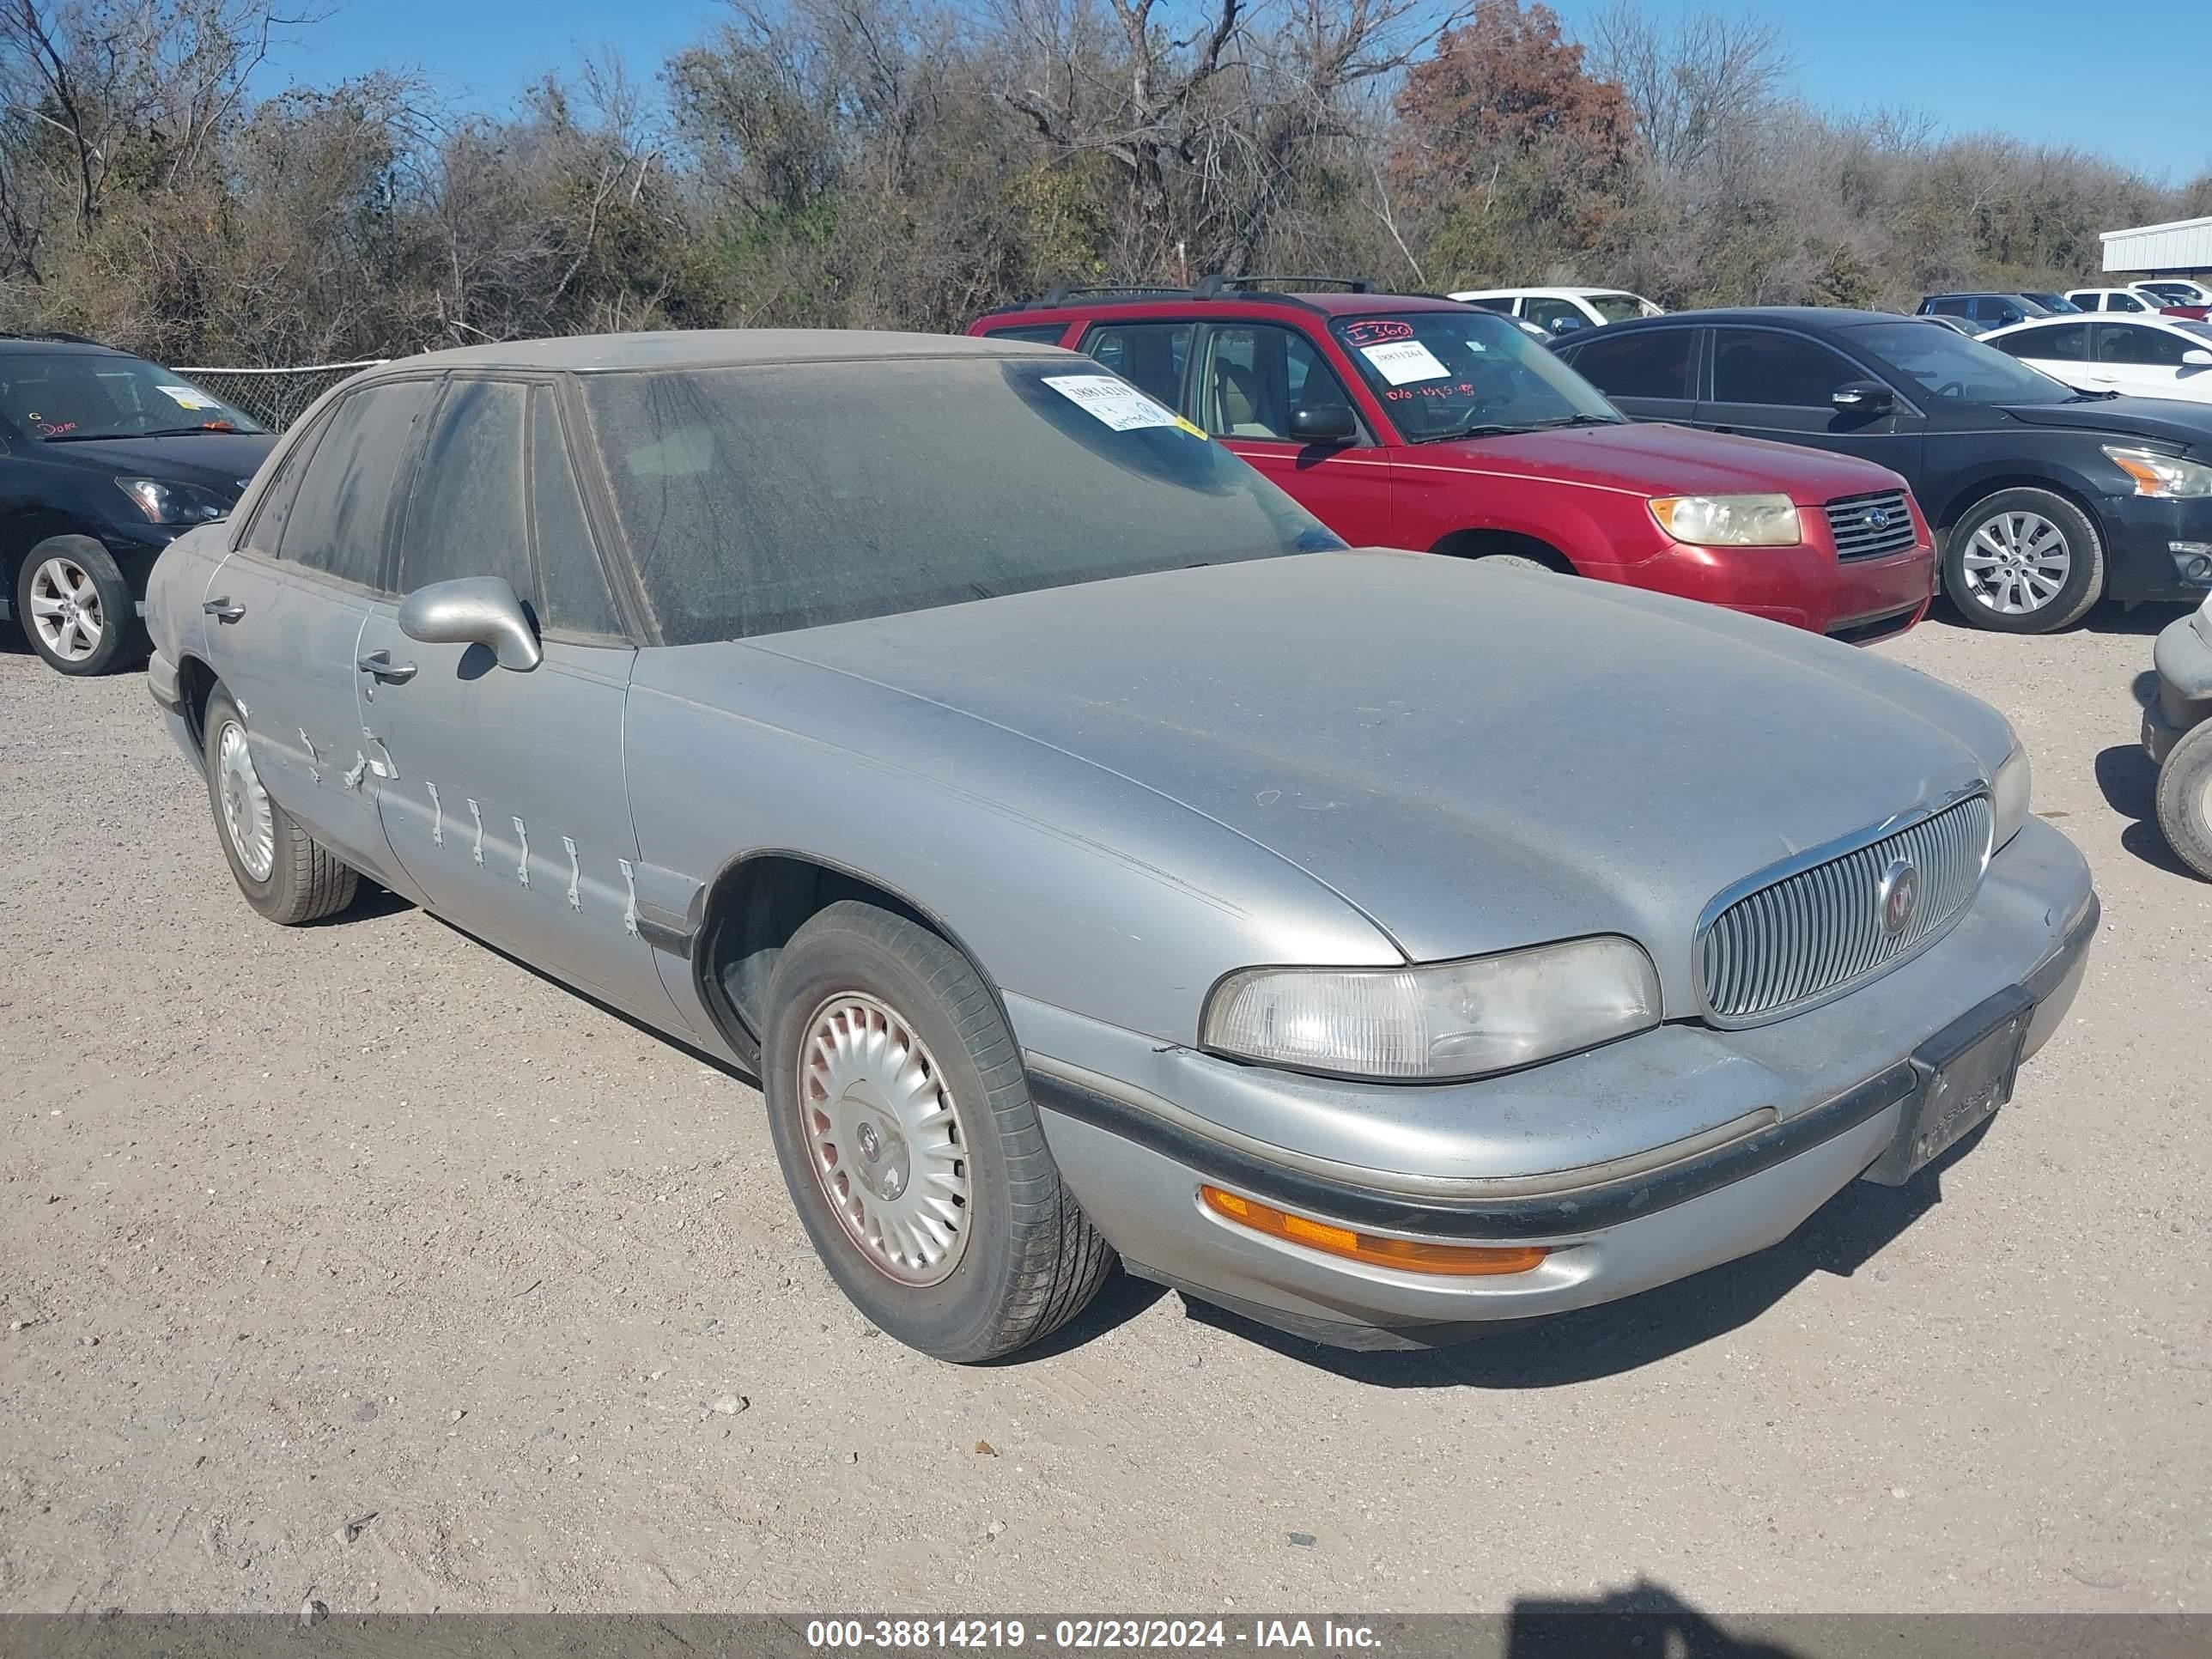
x=359 y=1261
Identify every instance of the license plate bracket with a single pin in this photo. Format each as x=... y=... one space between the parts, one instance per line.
x=1966 y=1072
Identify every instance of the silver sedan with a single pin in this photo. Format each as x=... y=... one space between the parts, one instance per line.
x=1094 y=858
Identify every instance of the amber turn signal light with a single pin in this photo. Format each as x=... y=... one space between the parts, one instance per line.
x=1408 y=1255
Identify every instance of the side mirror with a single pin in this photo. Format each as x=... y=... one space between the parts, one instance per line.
x=1324 y=423
x=2196 y=357
x=1863 y=398
x=473 y=610
x=1565 y=324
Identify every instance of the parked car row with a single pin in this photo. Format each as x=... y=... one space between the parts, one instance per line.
x=1979 y=313
x=1094 y=856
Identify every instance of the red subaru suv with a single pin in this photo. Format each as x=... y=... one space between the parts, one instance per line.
x=1405 y=420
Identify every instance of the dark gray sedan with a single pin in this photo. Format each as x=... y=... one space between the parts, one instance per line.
x=1095 y=858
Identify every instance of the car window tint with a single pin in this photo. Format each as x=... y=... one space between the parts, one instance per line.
x=2124 y=303
x=1500 y=303
x=1032 y=333
x=574 y=589
x=2065 y=342
x=1653 y=364
x=1755 y=366
x=1255 y=379
x=754 y=501
x=1555 y=316
x=266 y=533
x=465 y=515
x=2142 y=346
x=1149 y=355
x=337 y=520
x=1953 y=308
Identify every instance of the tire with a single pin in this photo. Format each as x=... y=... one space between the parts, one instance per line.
x=290 y=879
x=2061 y=569
x=76 y=608
x=1017 y=1257
x=2184 y=798
x=1515 y=561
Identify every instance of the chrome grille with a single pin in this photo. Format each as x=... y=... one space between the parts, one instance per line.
x=1815 y=931
x=1851 y=521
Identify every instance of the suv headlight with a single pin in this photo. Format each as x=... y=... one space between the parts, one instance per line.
x=2008 y=792
x=173 y=503
x=2169 y=478
x=1435 y=1021
x=1729 y=520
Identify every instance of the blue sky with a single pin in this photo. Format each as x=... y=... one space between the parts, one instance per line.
x=2138 y=91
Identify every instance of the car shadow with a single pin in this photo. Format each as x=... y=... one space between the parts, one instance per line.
x=1841 y=1238
x=2129 y=783
x=1644 y=1621
x=2110 y=617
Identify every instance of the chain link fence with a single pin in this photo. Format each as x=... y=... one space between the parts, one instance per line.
x=274 y=396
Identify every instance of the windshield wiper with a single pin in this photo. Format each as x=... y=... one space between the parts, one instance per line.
x=1480 y=429
x=2092 y=397
x=1575 y=420
x=158 y=432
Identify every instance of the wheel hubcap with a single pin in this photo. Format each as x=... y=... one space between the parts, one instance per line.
x=2016 y=562
x=65 y=609
x=884 y=1138
x=246 y=816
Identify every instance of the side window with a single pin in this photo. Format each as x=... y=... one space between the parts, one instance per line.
x=2124 y=303
x=2142 y=347
x=465 y=516
x=1149 y=355
x=266 y=533
x=2066 y=343
x=1032 y=333
x=2085 y=300
x=1500 y=303
x=1755 y=366
x=1255 y=378
x=1950 y=308
x=575 y=588
x=1555 y=316
x=337 y=522
x=1652 y=364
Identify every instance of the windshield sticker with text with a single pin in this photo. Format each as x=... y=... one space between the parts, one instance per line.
x=185 y=397
x=1377 y=329
x=1401 y=361
x=1114 y=403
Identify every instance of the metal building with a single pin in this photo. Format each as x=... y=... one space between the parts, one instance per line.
x=2183 y=248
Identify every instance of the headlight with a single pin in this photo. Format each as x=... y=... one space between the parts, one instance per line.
x=173 y=503
x=1438 y=1020
x=2168 y=476
x=2008 y=792
x=1729 y=520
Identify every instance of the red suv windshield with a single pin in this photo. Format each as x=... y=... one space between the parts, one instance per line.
x=1464 y=373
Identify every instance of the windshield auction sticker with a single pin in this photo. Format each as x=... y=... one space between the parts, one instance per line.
x=1115 y=403
x=1401 y=361
x=185 y=397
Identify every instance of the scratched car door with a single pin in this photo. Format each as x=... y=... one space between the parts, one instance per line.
x=503 y=795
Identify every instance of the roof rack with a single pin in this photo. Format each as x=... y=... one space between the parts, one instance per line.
x=54 y=334
x=1210 y=286
x=1061 y=293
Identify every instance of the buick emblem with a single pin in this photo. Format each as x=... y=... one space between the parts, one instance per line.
x=1898 y=895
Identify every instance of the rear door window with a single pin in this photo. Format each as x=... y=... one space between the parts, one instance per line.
x=337 y=521
x=1149 y=355
x=1653 y=364
x=2140 y=346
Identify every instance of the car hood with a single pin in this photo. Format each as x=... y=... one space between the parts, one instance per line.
x=2174 y=422
x=1475 y=758
x=1657 y=460
x=220 y=461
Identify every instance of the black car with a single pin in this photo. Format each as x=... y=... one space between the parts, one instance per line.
x=105 y=458
x=2044 y=499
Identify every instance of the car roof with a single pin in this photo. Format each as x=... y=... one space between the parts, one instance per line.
x=48 y=346
x=1810 y=316
x=1182 y=302
x=705 y=348
x=1544 y=293
x=2109 y=318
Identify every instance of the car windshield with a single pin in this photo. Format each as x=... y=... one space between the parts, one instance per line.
x=1467 y=374
x=1615 y=307
x=2203 y=331
x=66 y=397
x=1947 y=364
x=760 y=500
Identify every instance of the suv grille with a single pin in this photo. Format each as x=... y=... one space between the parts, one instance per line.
x=1818 y=930
x=1853 y=522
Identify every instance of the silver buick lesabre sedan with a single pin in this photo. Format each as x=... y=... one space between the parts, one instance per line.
x=1091 y=855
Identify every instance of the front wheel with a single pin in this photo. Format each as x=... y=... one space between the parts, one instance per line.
x=285 y=874
x=79 y=612
x=903 y=1120
x=2184 y=798
x=2024 y=561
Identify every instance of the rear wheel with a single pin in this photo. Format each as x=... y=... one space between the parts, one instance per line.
x=2184 y=798
x=285 y=874
x=903 y=1120
x=2024 y=561
x=76 y=609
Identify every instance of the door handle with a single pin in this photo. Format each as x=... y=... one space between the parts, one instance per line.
x=1724 y=429
x=222 y=610
x=380 y=664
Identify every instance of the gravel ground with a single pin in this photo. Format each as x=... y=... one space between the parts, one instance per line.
x=359 y=1262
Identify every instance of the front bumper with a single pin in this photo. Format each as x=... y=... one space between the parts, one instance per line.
x=1637 y=1163
x=1805 y=586
x=2159 y=549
